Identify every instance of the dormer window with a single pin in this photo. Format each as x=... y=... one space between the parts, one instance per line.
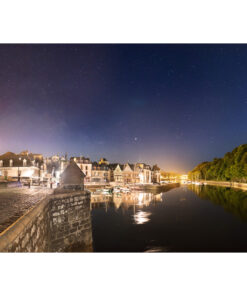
x=11 y=162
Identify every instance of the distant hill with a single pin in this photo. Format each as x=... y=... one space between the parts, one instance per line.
x=232 y=167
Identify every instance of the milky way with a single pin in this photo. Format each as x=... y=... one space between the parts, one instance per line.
x=175 y=105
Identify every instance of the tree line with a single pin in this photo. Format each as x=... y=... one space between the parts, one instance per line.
x=234 y=201
x=232 y=167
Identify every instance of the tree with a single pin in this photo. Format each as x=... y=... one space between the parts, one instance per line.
x=232 y=167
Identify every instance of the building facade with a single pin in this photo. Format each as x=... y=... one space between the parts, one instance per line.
x=156 y=174
x=20 y=167
x=85 y=165
x=139 y=173
x=30 y=166
x=100 y=173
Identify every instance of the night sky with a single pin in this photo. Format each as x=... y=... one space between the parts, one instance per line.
x=175 y=105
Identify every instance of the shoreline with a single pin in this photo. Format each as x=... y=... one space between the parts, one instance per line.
x=138 y=187
x=236 y=185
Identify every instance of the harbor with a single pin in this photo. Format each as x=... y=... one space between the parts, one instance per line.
x=173 y=221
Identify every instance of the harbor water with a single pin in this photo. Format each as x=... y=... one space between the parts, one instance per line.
x=185 y=219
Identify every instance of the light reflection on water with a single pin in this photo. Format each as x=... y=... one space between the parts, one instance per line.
x=126 y=200
x=184 y=219
x=156 y=249
x=141 y=217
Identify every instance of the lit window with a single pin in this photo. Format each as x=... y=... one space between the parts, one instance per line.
x=11 y=162
x=1 y=163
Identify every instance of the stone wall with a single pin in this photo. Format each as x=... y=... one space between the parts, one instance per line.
x=227 y=184
x=59 y=223
x=29 y=233
x=70 y=222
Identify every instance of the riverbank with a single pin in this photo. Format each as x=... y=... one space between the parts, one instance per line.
x=156 y=188
x=145 y=187
x=242 y=186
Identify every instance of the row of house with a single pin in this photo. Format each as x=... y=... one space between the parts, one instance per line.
x=35 y=167
x=105 y=172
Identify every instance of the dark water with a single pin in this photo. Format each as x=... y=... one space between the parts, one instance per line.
x=185 y=219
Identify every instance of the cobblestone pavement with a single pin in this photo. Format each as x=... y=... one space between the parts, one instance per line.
x=14 y=202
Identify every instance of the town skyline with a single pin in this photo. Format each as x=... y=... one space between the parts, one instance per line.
x=97 y=159
x=32 y=168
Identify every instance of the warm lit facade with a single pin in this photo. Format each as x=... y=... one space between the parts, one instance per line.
x=52 y=168
x=144 y=173
x=100 y=173
x=49 y=169
x=117 y=173
x=156 y=174
x=139 y=173
x=85 y=165
x=21 y=167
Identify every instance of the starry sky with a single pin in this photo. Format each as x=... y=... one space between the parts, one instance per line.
x=175 y=105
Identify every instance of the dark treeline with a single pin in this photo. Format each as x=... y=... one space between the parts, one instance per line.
x=233 y=200
x=232 y=167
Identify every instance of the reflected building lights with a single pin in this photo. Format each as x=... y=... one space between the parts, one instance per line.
x=123 y=200
x=141 y=217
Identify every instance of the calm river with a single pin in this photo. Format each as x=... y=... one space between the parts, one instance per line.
x=184 y=219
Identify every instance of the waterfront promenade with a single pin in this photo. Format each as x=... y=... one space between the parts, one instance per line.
x=236 y=185
x=14 y=202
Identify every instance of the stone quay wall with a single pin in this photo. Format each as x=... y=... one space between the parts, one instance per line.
x=70 y=222
x=59 y=223
x=227 y=184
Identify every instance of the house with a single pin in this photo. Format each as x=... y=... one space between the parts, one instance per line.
x=85 y=165
x=52 y=168
x=156 y=174
x=144 y=173
x=21 y=167
x=117 y=170
x=139 y=173
x=129 y=174
x=101 y=173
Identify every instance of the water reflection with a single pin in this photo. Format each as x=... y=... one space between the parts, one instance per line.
x=125 y=200
x=141 y=217
x=232 y=200
x=185 y=219
x=156 y=249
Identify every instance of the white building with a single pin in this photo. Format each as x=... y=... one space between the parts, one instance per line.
x=85 y=165
x=23 y=166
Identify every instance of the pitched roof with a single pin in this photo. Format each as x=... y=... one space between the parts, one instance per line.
x=112 y=166
x=8 y=155
x=18 y=159
x=100 y=167
x=131 y=166
x=156 y=168
x=72 y=175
